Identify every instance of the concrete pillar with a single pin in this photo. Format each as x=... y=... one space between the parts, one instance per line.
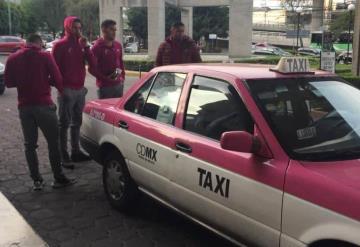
x=317 y=15
x=187 y=19
x=111 y=9
x=240 y=28
x=356 y=41
x=156 y=25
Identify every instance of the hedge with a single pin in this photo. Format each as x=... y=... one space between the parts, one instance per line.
x=342 y=70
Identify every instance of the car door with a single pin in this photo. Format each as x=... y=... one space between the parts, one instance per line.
x=145 y=129
x=237 y=193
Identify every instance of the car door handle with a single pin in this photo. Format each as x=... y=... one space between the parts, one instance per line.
x=123 y=125
x=182 y=147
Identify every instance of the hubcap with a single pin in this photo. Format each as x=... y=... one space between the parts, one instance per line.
x=115 y=182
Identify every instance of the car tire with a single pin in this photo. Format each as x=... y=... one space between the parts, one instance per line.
x=2 y=90
x=119 y=187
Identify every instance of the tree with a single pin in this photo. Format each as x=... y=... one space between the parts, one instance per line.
x=17 y=18
x=45 y=14
x=209 y=20
x=340 y=23
x=206 y=20
x=137 y=20
x=88 y=12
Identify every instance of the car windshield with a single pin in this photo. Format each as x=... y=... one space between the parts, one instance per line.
x=313 y=118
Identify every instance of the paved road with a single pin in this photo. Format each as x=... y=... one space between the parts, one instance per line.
x=80 y=216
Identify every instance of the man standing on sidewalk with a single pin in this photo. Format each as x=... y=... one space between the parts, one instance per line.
x=70 y=54
x=178 y=48
x=29 y=70
x=109 y=70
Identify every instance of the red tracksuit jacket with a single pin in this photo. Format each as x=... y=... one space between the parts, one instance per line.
x=30 y=70
x=107 y=59
x=71 y=57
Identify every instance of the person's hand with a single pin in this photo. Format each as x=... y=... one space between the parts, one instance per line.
x=83 y=42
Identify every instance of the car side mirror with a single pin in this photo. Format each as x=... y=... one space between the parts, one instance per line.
x=239 y=141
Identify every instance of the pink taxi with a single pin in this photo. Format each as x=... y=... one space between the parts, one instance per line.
x=264 y=157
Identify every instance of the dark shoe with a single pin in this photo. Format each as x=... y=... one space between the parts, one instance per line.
x=68 y=165
x=38 y=185
x=79 y=157
x=63 y=182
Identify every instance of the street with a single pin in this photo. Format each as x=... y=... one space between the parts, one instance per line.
x=80 y=215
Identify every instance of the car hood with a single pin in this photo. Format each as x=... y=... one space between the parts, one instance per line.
x=345 y=172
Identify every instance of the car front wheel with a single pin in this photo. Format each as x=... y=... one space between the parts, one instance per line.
x=120 y=189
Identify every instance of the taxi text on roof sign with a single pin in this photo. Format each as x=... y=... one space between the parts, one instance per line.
x=288 y=65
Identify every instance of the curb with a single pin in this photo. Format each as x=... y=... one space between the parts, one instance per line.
x=133 y=73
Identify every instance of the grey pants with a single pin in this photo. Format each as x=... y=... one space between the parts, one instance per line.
x=111 y=92
x=43 y=117
x=71 y=104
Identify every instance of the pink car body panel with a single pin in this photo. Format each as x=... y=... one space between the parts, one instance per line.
x=332 y=185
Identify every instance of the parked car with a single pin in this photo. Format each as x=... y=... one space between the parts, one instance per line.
x=11 y=43
x=132 y=48
x=344 y=57
x=270 y=50
x=309 y=51
x=262 y=156
x=2 y=82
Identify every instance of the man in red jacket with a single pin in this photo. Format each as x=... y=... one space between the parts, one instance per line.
x=29 y=71
x=109 y=70
x=178 y=48
x=70 y=54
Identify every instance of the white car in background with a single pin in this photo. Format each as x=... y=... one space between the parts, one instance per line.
x=49 y=45
x=132 y=47
x=2 y=82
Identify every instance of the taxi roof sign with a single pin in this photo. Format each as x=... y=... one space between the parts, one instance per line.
x=293 y=65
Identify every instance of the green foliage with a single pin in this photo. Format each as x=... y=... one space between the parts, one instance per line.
x=48 y=15
x=17 y=18
x=210 y=20
x=340 y=23
x=172 y=15
x=137 y=21
x=139 y=65
x=206 y=20
x=88 y=12
x=44 y=15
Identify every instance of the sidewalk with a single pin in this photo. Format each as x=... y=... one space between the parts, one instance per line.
x=14 y=230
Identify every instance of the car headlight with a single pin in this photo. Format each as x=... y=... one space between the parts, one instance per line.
x=2 y=68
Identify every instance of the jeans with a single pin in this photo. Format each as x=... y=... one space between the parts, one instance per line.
x=115 y=91
x=71 y=104
x=44 y=117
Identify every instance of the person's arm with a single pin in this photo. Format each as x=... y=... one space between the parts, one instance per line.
x=89 y=57
x=55 y=75
x=10 y=74
x=56 y=53
x=159 y=56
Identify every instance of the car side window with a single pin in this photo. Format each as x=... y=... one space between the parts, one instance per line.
x=215 y=107
x=137 y=101
x=164 y=96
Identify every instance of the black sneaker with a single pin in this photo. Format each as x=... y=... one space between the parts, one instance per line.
x=38 y=185
x=63 y=182
x=68 y=165
x=79 y=157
